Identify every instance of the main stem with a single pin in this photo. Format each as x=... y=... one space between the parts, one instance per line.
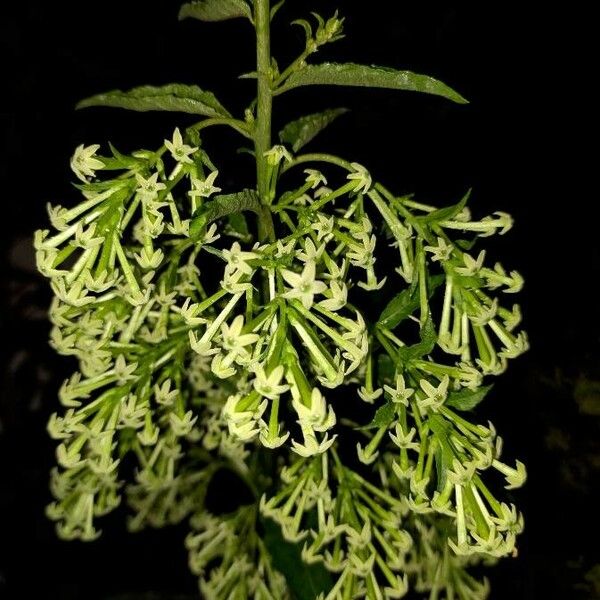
x=262 y=134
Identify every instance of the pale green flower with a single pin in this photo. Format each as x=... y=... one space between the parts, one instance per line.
x=83 y=162
x=179 y=151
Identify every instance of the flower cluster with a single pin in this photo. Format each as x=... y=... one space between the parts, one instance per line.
x=200 y=349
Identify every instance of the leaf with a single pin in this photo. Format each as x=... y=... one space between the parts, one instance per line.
x=237 y=226
x=424 y=347
x=298 y=133
x=385 y=369
x=215 y=10
x=175 y=97
x=305 y=581
x=384 y=416
x=444 y=455
x=368 y=76
x=406 y=303
x=222 y=206
x=445 y=214
x=467 y=399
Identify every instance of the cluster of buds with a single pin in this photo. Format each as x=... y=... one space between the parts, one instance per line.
x=201 y=349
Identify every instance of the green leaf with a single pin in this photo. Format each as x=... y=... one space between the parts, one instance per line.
x=305 y=581
x=215 y=10
x=237 y=226
x=385 y=369
x=467 y=399
x=222 y=206
x=368 y=76
x=444 y=455
x=424 y=347
x=406 y=303
x=175 y=97
x=445 y=214
x=298 y=133
x=384 y=416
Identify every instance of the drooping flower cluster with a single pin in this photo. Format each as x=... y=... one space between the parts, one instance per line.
x=201 y=349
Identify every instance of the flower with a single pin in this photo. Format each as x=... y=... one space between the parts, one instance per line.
x=236 y=258
x=339 y=296
x=268 y=385
x=362 y=178
x=149 y=188
x=179 y=151
x=304 y=285
x=233 y=339
x=400 y=393
x=83 y=163
x=276 y=153
x=435 y=395
x=204 y=187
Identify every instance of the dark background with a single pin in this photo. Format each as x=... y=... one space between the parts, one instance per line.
x=510 y=145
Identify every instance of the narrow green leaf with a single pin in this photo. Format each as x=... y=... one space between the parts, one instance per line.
x=305 y=581
x=444 y=455
x=424 y=347
x=384 y=416
x=467 y=399
x=385 y=369
x=445 y=214
x=215 y=10
x=368 y=76
x=406 y=303
x=173 y=97
x=298 y=133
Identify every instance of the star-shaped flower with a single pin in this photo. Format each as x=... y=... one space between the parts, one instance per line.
x=204 y=188
x=179 y=151
x=83 y=162
x=304 y=285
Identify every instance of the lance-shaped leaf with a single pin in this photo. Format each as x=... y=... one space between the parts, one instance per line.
x=406 y=303
x=445 y=214
x=215 y=10
x=222 y=206
x=467 y=399
x=298 y=133
x=351 y=74
x=174 y=97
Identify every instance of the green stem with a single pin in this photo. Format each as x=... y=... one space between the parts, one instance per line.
x=262 y=134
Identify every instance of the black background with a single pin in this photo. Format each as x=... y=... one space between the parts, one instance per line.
x=510 y=144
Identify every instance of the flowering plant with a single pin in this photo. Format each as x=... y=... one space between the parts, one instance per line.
x=208 y=341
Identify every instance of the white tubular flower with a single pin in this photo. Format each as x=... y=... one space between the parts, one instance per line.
x=317 y=416
x=83 y=162
x=231 y=281
x=315 y=178
x=179 y=151
x=311 y=445
x=362 y=178
x=244 y=431
x=515 y=478
x=472 y=266
x=369 y=396
x=182 y=425
x=269 y=386
x=149 y=259
x=339 y=296
x=221 y=366
x=211 y=235
x=233 y=339
x=304 y=285
x=311 y=252
x=269 y=439
x=435 y=396
x=164 y=395
x=284 y=249
x=324 y=227
x=148 y=188
x=405 y=440
x=276 y=153
x=441 y=252
x=237 y=259
x=189 y=311
x=400 y=393
x=204 y=188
